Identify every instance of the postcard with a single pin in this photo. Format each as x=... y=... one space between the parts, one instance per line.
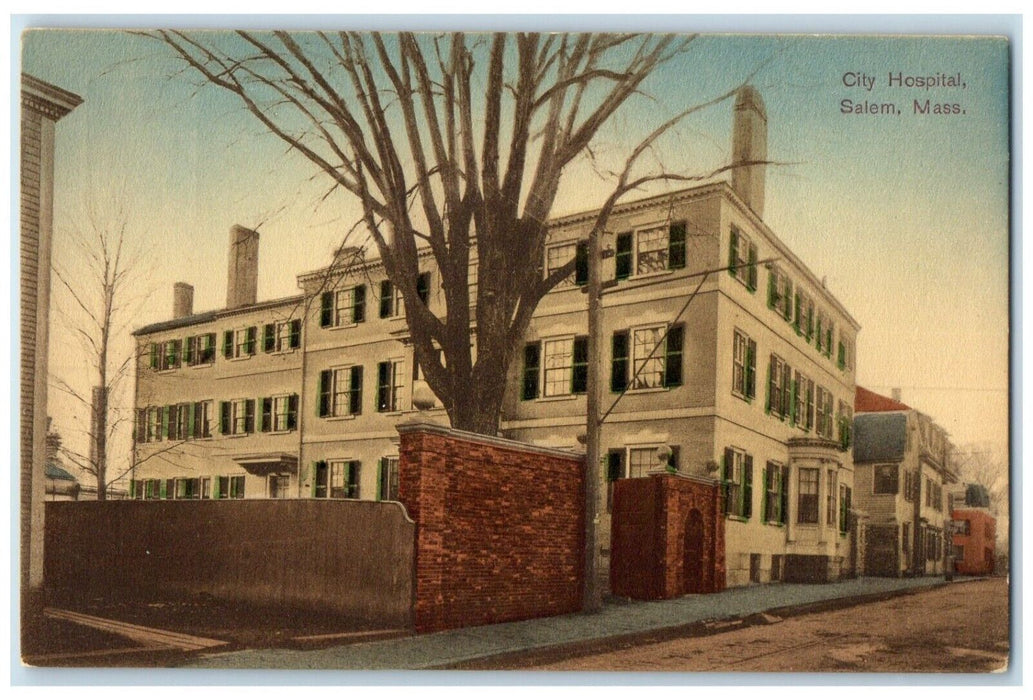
x=531 y=350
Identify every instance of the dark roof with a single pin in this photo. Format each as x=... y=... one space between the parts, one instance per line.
x=977 y=496
x=866 y=401
x=880 y=436
x=207 y=316
x=55 y=472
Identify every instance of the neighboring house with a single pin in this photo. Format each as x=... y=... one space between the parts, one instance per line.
x=974 y=531
x=60 y=485
x=903 y=472
x=750 y=378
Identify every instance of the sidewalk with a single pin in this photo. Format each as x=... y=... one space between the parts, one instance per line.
x=455 y=647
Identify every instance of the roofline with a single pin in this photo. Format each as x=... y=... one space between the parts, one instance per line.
x=371 y=264
x=214 y=315
x=58 y=101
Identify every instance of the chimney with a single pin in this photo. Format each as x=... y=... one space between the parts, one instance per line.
x=895 y=393
x=242 y=284
x=750 y=144
x=182 y=300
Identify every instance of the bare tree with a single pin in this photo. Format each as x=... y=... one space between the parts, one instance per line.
x=414 y=126
x=96 y=306
x=979 y=463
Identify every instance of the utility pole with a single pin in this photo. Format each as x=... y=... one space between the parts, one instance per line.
x=593 y=599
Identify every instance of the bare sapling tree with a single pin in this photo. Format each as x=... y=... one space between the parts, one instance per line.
x=95 y=302
x=450 y=142
x=979 y=463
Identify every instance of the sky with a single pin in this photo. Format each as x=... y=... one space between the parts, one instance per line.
x=906 y=215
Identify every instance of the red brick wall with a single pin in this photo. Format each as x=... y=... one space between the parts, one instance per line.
x=499 y=528
x=976 y=543
x=647 y=559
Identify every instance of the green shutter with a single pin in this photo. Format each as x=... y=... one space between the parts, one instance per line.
x=190 y=421
x=295 y=337
x=623 y=258
x=771 y=288
x=269 y=337
x=326 y=309
x=799 y=314
x=747 y=487
x=249 y=416
x=224 y=417
x=384 y=386
x=764 y=497
x=227 y=344
x=783 y=496
x=252 y=333
x=676 y=246
x=166 y=424
x=787 y=300
x=267 y=415
x=359 y=304
x=215 y=487
x=423 y=287
x=751 y=369
x=323 y=404
x=579 y=370
x=794 y=388
x=532 y=362
x=752 y=284
x=733 y=252
x=188 y=349
x=673 y=362
x=767 y=395
x=355 y=397
x=154 y=356
x=841 y=359
x=292 y=412
x=380 y=479
x=726 y=461
x=614 y=465
x=619 y=364
x=387 y=299
x=581 y=263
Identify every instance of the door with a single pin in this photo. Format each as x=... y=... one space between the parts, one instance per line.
x=694 y=540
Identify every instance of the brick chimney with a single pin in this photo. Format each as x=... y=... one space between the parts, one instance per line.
x=750 y=144
x=895 y=394
x=242 y=284
x=182 y=300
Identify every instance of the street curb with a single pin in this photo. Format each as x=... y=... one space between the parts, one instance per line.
x=554 y=653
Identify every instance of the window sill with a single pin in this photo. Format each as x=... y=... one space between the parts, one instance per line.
x=743 y=397
x=234 y=435
x=202 y=365
x=774 y=523
x=167 y=370
x=350 y=416
x=288 y=351
x=240 y=358
x=277 y=432
x=341 y=328
x=647 y=390
x=736 y=518
x=559 y=397
x=649 y=275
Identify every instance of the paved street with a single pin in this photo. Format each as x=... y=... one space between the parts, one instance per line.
x=959 y=628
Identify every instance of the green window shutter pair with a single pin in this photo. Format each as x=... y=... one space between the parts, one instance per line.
x=387 y=299
x=581 y=263
x=623 y=258
x=355 y=397
x=423 y=287
x=269 y=337
x=620 y=364
x=323 y=405
x=579 y=370
x=764 y=497
x=676 y=246
x=532 y=367
x=154 y=356
x=841 y=356
x=359 y=304
x=673 y=360
x=326 y=309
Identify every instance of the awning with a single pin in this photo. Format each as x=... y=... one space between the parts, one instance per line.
x=265 y=464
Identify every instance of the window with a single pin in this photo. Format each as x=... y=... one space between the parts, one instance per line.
x=959 y=552
x=188 y=488
x=831 y=493
x=807 y=503
x=387 y=479
x=336 y=479
x=280 y=413
x=390 y=300
x=206 y=487
x=340 y=392
x=742 y=259
x=650 y=250
x=744 y=366
x=885 y=478
x=230 y=487
x=774 y=493
x=170 y=358
x=282 y=336
x=559 y=255
x=199 y=349
x=344 y=307
x=237 y=417
x=844 y=423
x=845 y=353
x=155 y=417
x=389 y=386
x=803 y=318
x=565 y=367
x=239 y=343
x=824 y=333
x=779 y=387
x=963 y=527
x=780 y=292
x=423 y=287
x=279 y=485
x=803 y=413
x=181 y=423
x=824 y=413
x=655 y=360
x=737 y=482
